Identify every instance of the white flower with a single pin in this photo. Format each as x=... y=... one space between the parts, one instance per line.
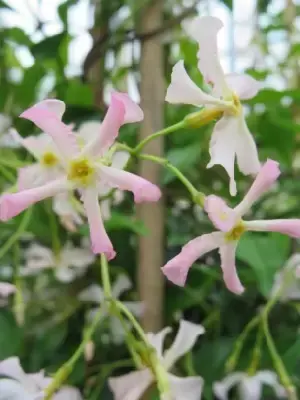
x=133 y=385
x=231 y=138
x=17 y=385
x=95 y=294
x=6 y=139
x=291 y=290
x=6 y=289
x=69 y=265
x=249 y=387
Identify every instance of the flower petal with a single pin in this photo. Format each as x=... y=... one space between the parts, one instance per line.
x=31 y=176
x=94 y=293
x=205 y=30
x=88 y=131
x=130 y=386
x=243 y=85
x=177 y=268
x=266 y=177
x=13 y=204
x=142 y=189
x=39 y=257
x=231 y=279
x=222 y=147
x=63 y=206
x=6 y=289
x=246 y=151
x=68 y=393
x=157 y=340
x=221 y=388
x=117 y=331
x=133 y=112
x=120 y=159
x=182 y=90
x=121 y=285
x=189 y=388
x=109 y=131
x=185 y=340
x=11 y=368
x=47 y=116
x=270 y=378
x=100 y=240
x=290 y=227
x=222 y=216
x=137 y=308
x=250 y=388
x=13 y=390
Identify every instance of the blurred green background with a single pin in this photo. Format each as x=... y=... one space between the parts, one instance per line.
x=76 y=51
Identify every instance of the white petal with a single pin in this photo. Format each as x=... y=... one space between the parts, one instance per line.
x=117 y=331
x=63 y=206
x=189 y=388
x=120 y=159
x=157 y=340
x=222 y=388
x=76 y=256
x=105 y=209
x=93 y=293
x=88 y=131
x=121 y=285
x=130 y=386
x=13 y=390
x=39 y=257
x=246 y=151
x=135 y=307
x=250 y=388
x=243 y=85
x=270 y=378
x=12 y=368
x=185 y=339
x=31 y=176
x=223 y=145
x=65 y=274
x=205 y=31
x=68 y=393
x=6 y=289
x=182 y=90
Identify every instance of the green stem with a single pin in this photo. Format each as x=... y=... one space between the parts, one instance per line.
x=54 y=229
x=234 y=357
x=18 y=305
x=65 y=370
x=166 y=131
x=15 y=236
x=197 y=197
x=133 y=320
x=256 y=355
x=105 y=277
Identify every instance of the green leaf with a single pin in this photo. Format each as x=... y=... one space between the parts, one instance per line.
x=10 y=335
x=266 y=255
x=26 y=91
x=79 y=94
x=49 y=47
x=18 y=36
x=3 y=4
x=184 y=159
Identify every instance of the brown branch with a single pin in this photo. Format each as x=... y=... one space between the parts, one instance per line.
x=102 y=44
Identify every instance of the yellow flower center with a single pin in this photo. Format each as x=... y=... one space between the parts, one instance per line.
x=237 y=107
x=81 y=171
x=236 y=232
x=49 y=159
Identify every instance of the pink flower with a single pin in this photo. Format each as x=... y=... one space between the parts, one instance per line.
x=6 y=289
x=85 y=169
x=230 y=138
x=231 y=226
x=133 y=385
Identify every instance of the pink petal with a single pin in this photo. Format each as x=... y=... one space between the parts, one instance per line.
x=222 y=216
x=243 y=85
x=130 y=386
x=182 y=90
x=290 y=227
x=268 y=174
x=47 y=116
x=100 y=240
x=13 y=204
x=231 y=279
x=109 y=129
x=133 y=112
x=142 y=189
x=177 y=268
x=6 y=289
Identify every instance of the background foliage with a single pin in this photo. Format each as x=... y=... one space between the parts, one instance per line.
x=54 y=322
